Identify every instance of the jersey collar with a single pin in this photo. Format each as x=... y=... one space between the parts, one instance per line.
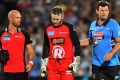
x=105 y=23
x=18 y=29
x=58 y=25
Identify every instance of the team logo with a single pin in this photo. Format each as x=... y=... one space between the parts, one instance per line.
x=6 y=37
x=51 y=33
x=58 y=52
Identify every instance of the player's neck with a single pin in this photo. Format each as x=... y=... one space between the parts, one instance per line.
x=101 y=21
x=12 y=29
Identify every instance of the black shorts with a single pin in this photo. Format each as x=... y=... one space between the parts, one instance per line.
x=15 y=76
x=105 y=73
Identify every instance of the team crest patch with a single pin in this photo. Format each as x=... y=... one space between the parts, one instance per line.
x=50 y=33
x=58 y=52
x=6 y=37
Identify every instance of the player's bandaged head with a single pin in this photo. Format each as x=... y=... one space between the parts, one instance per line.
x=4 y=56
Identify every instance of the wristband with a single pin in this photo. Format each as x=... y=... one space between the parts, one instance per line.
x=31 y=62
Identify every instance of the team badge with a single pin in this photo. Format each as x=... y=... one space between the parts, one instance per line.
x=51 y=33
x=6 y=37
x=58 y=52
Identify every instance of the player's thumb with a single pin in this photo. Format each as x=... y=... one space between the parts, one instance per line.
x=71 y=65
x=27 y=68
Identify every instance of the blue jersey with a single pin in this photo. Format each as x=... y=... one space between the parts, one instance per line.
x=100 y=36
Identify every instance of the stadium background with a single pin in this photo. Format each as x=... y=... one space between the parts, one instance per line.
x=36 y=15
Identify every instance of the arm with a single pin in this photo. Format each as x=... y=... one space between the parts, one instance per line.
x=75 y=41
x=109 y=55
x=31 y=56
x=28 y=43
x=30 y=52
x=85 y=42
x=116 y=35
x=45 y=53
x=46 y=46
x=117 y=46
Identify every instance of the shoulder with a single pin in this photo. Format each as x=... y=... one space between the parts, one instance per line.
x=67 y=24
x=113 y=21
x=2 y=31
x=48 y=26
x=25 y=32
x=92 y=25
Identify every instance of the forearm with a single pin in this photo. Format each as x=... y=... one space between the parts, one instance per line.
x=116 y=48
x=85 y=42
x=30 y=52
x=31 y=55
x=45 y=52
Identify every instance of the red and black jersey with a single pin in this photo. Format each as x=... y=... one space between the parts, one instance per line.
x=60 y=42
x=15 y=44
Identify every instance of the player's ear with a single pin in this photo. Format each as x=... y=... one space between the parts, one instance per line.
x=62 y=16
x=96 y=11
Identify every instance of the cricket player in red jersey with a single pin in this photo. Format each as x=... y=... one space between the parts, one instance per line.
x=14 y=40
x=61 y=48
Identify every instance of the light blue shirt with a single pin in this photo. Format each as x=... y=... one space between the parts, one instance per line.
x=101 y=38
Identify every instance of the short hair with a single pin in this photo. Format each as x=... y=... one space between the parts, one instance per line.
x=103 y=3
x=57 y=10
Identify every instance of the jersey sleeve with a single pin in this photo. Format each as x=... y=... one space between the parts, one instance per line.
x=28 y=39
x=46 y=46
x=116 y=30
x=1 y=32
x=91 y=29
x=75 y=40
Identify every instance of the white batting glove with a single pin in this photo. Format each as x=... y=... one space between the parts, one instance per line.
x=43 y=67
x=75 y=64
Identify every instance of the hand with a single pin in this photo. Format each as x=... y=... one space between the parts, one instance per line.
x=43 y=69
x=75 y=64
x=108 y=56
x=90 y=59
x=28 y=67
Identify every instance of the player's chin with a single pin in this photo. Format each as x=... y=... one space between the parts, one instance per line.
x=55 y=24
x=18 y=24
x=105 y=17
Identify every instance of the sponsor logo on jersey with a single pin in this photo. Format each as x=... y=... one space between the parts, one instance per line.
x=58 y=40
x=99 y=35
x=63 y=32
x=18 y=36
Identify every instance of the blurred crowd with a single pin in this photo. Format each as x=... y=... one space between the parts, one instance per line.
x=36 y=16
